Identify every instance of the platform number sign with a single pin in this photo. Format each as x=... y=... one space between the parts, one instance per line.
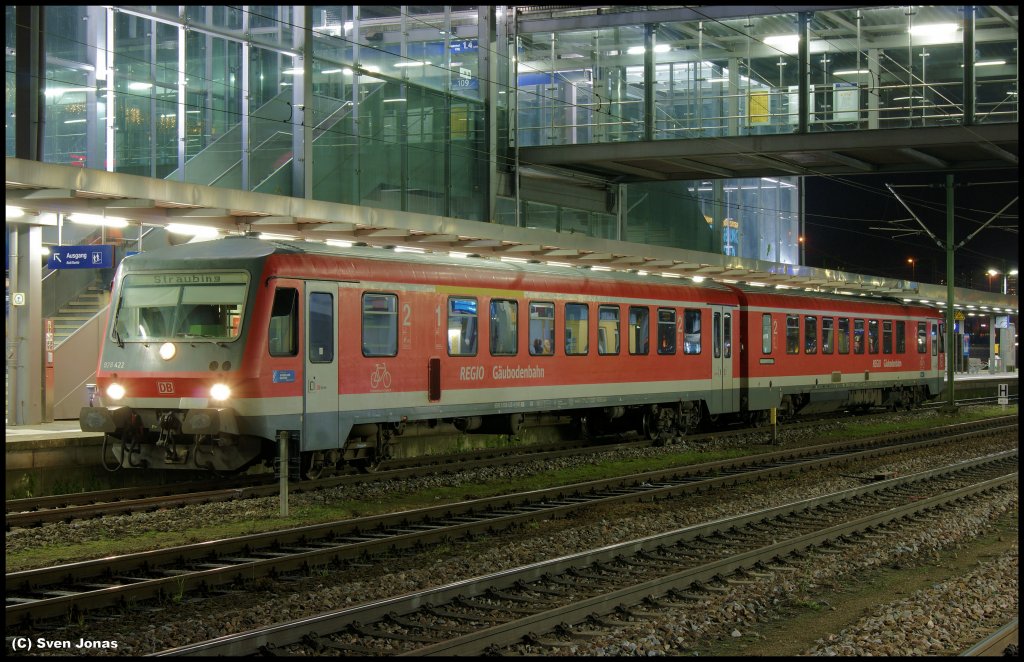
x=1004 y=394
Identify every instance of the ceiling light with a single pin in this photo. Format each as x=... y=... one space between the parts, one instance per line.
x=93 y=219
x=933 y=29
x=194 y=230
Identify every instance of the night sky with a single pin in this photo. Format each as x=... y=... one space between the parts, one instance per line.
x=854 y=224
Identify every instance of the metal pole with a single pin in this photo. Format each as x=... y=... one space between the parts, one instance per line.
x=950 y=407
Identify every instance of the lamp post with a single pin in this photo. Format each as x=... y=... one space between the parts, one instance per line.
x=913 y=268
x=991 y=272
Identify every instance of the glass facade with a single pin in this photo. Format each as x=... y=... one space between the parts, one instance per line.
x=416 y=108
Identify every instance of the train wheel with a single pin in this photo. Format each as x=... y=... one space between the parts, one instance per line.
x=651 y=423
x=367 y=465
x=312 y=466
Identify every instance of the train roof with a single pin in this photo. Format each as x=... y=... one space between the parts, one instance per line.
x=217 y=251
x=250 y=252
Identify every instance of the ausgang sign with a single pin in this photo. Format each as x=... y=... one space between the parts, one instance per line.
x=100 y=256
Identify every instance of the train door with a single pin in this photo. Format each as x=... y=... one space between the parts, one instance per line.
x=935 y=348
x=320 y=403
x=725 y=397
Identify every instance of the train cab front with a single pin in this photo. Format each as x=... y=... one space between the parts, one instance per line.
x=170 y=370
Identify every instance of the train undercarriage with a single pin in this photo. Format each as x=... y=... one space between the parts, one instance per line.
x=209 y=439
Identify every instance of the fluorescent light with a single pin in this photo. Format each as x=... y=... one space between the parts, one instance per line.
x=271 y=235
x=194 y=230
x=669 y=275
x=409 y=249
x=394 y=100
x=850 y=72
x=597 y=267
x=697 y=279
x=987 y=63
x=637 y=50
x=333 y=71
x=74 y=121
x=15 y=212
x=93 y=219
x=411 y=64
x=784 y=42
x=339 y=242
x=514 y=259
x=933 y=29
x=294 y=71
x=459 y=254
x=139 y=86
x=907 y=98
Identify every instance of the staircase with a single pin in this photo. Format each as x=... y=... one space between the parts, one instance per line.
x=72 y=315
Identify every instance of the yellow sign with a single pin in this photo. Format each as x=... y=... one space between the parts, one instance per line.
x=758 y=106
x=958 y=315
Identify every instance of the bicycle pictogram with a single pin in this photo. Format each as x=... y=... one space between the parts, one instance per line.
x=380 y=376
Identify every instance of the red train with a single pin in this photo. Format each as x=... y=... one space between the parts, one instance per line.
x=214 y=350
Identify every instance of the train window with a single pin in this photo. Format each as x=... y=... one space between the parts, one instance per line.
x=844 y=335
x=666 y=330
x=608 y=330
x=810 y=334
x=766 y=333
x=380 y=324
x=901 y=337
x=858 y=336
x=639 y=330
x=827 y=335
x=792 y=334
x=321 y=327
x=158 y=306
x=504 y=327
x=727 y=335
x=283 y=333
x=691 y=331
x=942 y=338
x=887 y=336
x=542 y=328
x=935 y=343
x=922 y=337
x=577 y=328
x=873 y=336
x=462 y=326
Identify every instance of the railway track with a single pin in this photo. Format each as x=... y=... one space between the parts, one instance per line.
x=36 y=511
x=76 y=588
x=560 y=601
x=1002 y=642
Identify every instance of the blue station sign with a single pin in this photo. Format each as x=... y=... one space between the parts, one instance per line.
x=100 y=256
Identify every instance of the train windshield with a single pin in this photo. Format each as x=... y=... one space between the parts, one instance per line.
x=167 y=306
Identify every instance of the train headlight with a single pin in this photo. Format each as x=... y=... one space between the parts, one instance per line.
x=167 y=351
x=220 y=392
x=115 y=391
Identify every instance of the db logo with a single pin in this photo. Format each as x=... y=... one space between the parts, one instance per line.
x=165 y=387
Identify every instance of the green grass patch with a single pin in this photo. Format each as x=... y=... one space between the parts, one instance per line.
x=877 y=427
